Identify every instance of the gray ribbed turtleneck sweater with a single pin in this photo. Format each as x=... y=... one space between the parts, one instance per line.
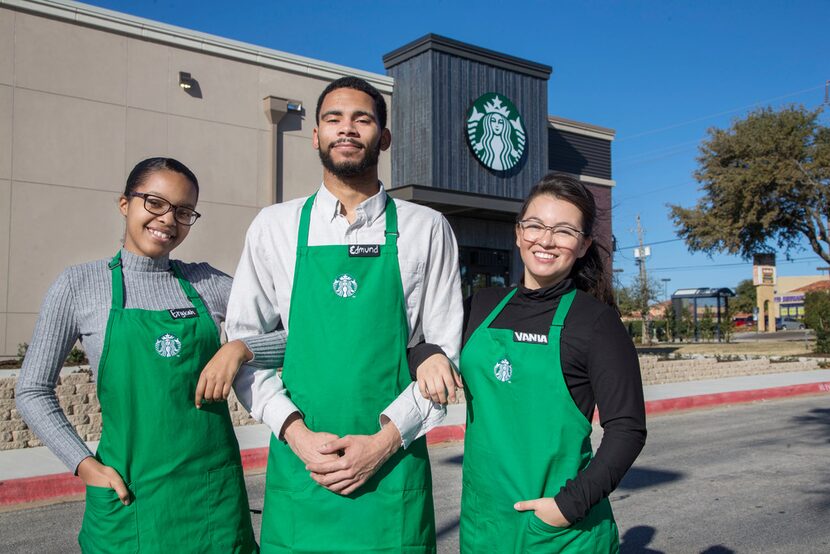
x=77 y=306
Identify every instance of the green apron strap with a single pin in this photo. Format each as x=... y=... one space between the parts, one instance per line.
x=562 y=309
x=117 y=282
x=497 y=310
x=392 y=233
x=305 y=219
x=188 y=289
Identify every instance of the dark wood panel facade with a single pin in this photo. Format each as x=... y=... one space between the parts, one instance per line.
x=435 y=86
x=579 y=154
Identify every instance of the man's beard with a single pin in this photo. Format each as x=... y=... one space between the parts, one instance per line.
x=345 y=170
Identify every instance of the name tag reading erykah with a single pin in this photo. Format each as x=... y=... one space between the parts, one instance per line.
x=183 y=313
x=364 y=250
x=534 y=338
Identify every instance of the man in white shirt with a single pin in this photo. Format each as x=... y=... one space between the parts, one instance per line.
x=355 y=277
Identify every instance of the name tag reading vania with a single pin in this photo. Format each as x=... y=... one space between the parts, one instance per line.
x=364 y=250
x=533 y=338
x=183 y=313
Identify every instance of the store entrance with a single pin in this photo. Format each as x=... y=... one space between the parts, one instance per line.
x=483 y=267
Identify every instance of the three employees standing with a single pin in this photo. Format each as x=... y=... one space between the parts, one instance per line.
x=355 y=277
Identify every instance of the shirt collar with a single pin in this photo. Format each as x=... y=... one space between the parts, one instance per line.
x=372 y=207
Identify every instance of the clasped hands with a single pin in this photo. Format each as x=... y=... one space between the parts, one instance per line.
x=341 y=464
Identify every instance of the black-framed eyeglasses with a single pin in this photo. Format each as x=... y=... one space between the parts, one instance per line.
x=563 y=235
x=157 y=205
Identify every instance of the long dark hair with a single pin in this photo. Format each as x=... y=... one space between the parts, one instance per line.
x=589 y=273
x=145 y=168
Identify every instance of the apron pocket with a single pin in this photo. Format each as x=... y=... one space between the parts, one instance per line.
x=540 y=537
x=108 y=526
x=537 y=523
x=230 y=519
x=365 y=523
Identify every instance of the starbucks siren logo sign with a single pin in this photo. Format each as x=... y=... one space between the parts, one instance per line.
x=503 y=370
x=168 y=345
x=495 y=132
x=344 y=286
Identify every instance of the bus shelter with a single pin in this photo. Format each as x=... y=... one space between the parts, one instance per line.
x=696 y=302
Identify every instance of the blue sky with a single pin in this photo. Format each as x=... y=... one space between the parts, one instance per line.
x=660 y=73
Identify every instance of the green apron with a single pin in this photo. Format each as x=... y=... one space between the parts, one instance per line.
x=344 y=363
x=525 y=438
x=181 y=464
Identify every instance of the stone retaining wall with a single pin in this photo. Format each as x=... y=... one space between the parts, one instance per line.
x=79 y=400
x=656 y=371
x=77 y=396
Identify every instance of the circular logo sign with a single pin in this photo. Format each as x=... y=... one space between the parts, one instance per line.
x=168 y=345
x=503 y=370
x=344 y=286
x=495 y=132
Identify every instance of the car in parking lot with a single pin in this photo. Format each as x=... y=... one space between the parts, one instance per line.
x=788 y=324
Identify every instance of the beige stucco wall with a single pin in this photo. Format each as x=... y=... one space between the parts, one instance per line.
x=80 y=105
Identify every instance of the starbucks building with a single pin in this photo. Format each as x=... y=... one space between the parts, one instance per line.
x=85 y=93
x=472 y=135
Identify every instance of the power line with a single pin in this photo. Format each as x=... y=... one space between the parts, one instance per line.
x=718 y=114
x=647 y=192
x=735 y=264
x=648 y=244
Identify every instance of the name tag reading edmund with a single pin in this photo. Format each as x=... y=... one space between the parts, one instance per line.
x=364 y=250
x=534 y=338
x=183 y=313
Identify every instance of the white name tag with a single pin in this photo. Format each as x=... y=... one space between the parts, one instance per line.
x=533 y=338
x=183 y=313
x=364 y=250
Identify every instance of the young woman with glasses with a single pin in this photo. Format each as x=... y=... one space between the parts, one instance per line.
x=167 y=475
x=537 y=359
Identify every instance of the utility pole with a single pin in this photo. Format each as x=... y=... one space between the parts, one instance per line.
x=640 y=255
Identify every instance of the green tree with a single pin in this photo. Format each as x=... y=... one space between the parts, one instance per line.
x=745 y=299
x=671 y=322
x=686 y=329
x=707 y=325
x=817 y=318
x=625 y=300
x=765 y=181
x=726 y=327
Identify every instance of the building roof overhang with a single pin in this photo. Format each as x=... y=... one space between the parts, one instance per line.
x=466 y=204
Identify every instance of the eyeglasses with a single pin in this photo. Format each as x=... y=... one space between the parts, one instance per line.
x=157 y=205
x=563 y=235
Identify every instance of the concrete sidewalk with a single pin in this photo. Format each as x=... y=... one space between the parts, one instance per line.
x=34 y=474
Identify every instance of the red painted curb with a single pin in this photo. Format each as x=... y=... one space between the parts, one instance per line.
x=446 y=433
x=67 y=485
x=736 y=397
x=44 y=487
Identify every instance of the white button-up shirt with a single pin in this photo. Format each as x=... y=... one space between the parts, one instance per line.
x=261 y=293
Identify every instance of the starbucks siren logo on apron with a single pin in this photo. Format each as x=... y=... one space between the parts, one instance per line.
x=344 y=286
x=495 y=132
x=503 y=370
x=168 y=345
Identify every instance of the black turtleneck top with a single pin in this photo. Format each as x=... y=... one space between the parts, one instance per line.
x=601 y=369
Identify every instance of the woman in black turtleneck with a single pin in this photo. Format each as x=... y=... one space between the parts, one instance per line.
x=536 y=360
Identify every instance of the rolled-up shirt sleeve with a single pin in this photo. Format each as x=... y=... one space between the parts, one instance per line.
x=442 y=315
x=253 y=311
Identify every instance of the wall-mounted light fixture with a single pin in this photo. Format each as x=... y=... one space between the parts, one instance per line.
x=185 y=80
x=275 y=110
